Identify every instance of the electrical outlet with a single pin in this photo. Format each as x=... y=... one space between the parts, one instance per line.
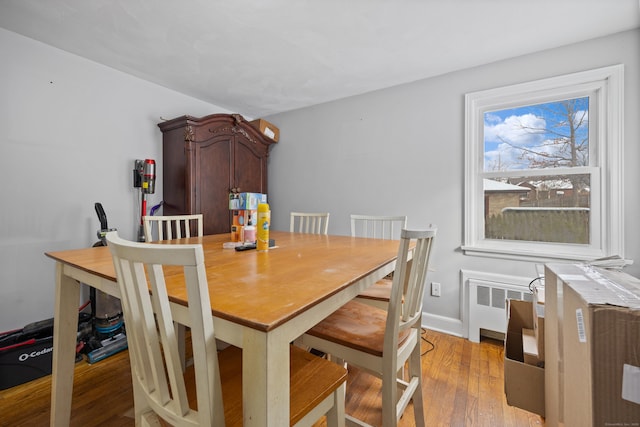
x=435 y=289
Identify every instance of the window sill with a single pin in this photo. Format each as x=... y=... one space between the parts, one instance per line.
x=531 y=253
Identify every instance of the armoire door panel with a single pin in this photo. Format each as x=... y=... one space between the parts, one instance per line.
x=210 y=193
x=249 y=169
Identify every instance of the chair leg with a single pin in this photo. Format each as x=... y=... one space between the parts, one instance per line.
x=389 y=396
x=150 y=419
x=142 y=413
x=415 y=371
x=336 y=416
x=338 y=361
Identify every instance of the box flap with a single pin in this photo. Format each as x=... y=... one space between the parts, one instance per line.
x=519 y=315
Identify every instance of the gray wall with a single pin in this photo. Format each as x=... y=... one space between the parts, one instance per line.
x=70 y=130
x=401 y=151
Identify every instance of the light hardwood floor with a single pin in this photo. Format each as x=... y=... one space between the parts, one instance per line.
x=462 y=386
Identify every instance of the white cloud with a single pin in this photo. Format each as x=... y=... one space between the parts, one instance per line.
x=526 y=130
x=522 y=131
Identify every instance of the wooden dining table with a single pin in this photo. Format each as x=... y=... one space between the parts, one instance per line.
x=260 y=301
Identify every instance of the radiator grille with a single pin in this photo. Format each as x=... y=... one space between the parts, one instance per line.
x=487 y=304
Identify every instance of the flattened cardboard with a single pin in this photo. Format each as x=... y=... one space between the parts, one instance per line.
x=553 y=366
x=538 y=329
x=538 y=319
x=530 y=347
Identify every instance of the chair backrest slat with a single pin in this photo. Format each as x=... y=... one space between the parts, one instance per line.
x=376 y=226
x=169 y=227
x=311 y=223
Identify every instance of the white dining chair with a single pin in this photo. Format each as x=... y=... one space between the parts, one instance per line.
x=382 y=341
x=210 y=393
x=312 y=223
x=169 y=227
x=379 y=227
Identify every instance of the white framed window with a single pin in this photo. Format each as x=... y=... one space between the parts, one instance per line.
x=543 y=168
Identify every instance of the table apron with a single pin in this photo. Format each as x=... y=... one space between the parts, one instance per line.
x=107 y=286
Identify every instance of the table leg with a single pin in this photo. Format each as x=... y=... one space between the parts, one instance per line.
x=65 y=327
x=265 y=391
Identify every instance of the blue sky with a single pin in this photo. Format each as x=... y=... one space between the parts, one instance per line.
x=531 y=128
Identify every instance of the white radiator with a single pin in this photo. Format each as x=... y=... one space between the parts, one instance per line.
x=486 y=308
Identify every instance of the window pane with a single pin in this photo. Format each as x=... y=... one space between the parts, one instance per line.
x=550 y=135
x=538 y=209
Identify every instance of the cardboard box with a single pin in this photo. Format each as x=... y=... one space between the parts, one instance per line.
x=523 y=383
x=250 y=201
x=601 y=340
x=266 y=128
x=246 y=201
x=246 y=217
x=234 y=201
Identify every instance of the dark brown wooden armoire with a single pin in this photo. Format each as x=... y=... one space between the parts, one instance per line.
x=204 y=159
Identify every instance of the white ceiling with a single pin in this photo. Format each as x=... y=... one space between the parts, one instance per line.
x=261 y=57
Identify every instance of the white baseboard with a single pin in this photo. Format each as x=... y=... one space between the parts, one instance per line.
x=442 y=324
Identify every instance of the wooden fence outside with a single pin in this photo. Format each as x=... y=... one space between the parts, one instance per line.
x=568 y=225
